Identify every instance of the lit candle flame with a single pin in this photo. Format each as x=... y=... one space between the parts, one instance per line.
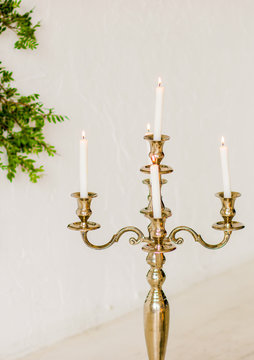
x=148 y=127
x=159 y=81
x=83 y=134
x=153 y=159
x=222 y=141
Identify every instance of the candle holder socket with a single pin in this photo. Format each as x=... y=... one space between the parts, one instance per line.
x=84 y=212
x=156 y=154
x=228 y=212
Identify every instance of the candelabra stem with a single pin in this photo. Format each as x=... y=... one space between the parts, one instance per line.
x=156 y=309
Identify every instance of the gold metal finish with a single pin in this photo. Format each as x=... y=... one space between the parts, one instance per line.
x=227 y=225
x=115 y=238
x=84 y=226
x=156 y=308
x=84 y=212
x=228 y=212
x=197 y=237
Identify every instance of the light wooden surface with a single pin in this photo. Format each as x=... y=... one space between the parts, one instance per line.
x=213 y=320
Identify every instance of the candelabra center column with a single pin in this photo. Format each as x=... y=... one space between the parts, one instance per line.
x=156 y=309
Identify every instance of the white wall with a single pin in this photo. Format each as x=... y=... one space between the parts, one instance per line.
x=98 y=62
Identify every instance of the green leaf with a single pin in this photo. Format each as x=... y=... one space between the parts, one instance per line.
x=22 y=117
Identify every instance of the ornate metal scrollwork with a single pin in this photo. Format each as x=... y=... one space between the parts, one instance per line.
x=197 y=237
x=115 y=238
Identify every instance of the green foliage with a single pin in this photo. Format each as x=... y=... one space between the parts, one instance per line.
x=22 y=118
x=21 y=24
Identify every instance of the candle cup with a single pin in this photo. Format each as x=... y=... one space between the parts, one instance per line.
x=157 y=230
x=84 y=212
x=156 y=148
x=156 y=154
x=157 y=242
x=228 y=212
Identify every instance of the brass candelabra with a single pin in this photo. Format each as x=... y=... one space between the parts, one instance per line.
x=156 y=308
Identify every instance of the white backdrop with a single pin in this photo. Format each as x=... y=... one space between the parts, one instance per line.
x=98 y=62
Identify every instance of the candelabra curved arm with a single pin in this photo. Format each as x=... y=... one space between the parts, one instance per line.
x=197 y=237
x=84 y=226
x=227 y=225
x=115 y=238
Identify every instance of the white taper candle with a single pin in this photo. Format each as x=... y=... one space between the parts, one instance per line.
x=83 y=169
x=225 y=169
x=156 y=191
x=158 y=111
